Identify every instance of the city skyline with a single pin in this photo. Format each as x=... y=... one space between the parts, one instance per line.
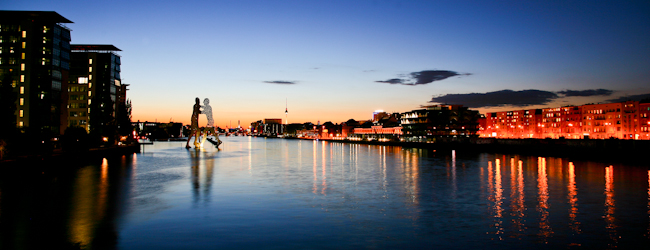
x=336 y=60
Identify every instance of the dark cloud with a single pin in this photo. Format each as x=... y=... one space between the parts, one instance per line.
x=393 y=81
x=281 y=82
x=423 y=77
x=504 y=97
x=588 y=92
x=631 y=98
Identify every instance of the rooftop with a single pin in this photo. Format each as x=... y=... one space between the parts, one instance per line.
x=11 y=15
x=93 y=47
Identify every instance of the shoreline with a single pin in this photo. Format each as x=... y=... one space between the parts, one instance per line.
x=608 y=150
x=57 y=158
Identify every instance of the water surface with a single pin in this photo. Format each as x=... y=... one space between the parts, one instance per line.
x=278 y=194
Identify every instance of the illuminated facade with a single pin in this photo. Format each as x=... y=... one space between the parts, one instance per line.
x=511 y=124
x=644 y=121
x=424 y=125
x=623 y=120
x=35 y=53
x=94 y=76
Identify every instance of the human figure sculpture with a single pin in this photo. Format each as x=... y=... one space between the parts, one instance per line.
x=207 y=110
x=194 y=126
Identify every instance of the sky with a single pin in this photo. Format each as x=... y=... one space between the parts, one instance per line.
x=337 y=60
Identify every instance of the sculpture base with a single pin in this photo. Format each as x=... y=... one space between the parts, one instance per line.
x=215 y=143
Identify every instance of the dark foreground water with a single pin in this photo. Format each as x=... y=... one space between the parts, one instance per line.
x=259 y=193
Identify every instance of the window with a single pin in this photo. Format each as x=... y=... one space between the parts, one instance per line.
x=83 y=80
x=20 y=123
x=21 y=113
x=22 y=56
x=22 y=67
x=90 y=69
x=22 y=89
x=90 y=61
x=24 y=34
x=24 y=44
x=22 y=101
x=22 y=78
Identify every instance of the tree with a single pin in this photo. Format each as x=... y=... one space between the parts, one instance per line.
x=124 y=126
x=8 y=99
x=101 y=120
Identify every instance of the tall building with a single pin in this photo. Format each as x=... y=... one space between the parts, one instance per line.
x=35 y=53
x=94 y=77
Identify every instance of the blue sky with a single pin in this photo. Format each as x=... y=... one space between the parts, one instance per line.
x=335 y=60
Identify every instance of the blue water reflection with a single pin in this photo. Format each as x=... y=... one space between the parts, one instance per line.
x=275 y=193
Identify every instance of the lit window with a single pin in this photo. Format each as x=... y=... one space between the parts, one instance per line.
x=22 y=89
x=20 y=123
x=24 y=44
x=90 y=61
x=22 y=78
x=82 y=80
x=22 y=101
x=90 y=69
x=22 y=67
x=90 y=93
x=24 y=34
x=21 y=113
x=22 y=56
x=90 y=77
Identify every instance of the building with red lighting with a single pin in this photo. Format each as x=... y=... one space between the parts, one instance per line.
x=623 y=120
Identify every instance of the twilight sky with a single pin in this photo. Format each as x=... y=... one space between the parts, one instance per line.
x=336 y=60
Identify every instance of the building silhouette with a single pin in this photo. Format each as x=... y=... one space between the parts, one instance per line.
x=437 y=121
x=94 y=77
x=35 y=53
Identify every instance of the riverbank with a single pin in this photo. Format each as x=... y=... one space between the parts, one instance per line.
x=60 y=157
x=610 y=150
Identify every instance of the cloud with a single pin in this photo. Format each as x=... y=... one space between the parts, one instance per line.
x=588 y=92
x=393 y=81
x=423 y=77
x=630 y=98
x=281 y=82
x=499 y=98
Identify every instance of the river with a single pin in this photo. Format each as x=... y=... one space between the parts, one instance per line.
x=257 y=193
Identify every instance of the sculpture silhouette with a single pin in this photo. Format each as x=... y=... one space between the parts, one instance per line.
x=194 y=126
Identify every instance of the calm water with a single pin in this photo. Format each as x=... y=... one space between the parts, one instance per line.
x=278 y=194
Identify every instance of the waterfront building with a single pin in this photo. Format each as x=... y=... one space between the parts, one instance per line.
x=563 y=122
x=622 y=120
x=511 y=124
x=35 y=54
x=273 y=127
x=644 y=121
x=377 y=133
x=94 y=77
x=435 y=121
x=158 y=130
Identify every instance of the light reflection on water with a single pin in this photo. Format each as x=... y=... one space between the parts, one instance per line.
x=274 y=193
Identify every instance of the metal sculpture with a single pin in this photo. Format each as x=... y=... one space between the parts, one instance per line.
x=209 y=128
